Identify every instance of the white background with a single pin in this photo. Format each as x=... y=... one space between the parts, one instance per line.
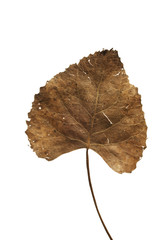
x=51 y=200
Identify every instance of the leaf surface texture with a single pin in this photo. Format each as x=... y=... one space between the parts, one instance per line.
x=90 y=105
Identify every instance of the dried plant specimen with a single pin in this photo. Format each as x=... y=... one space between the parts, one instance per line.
x=90 y=105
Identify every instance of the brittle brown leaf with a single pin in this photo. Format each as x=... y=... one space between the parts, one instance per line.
x=90 y=105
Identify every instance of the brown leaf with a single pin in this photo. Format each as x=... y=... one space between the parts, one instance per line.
x=90 y=105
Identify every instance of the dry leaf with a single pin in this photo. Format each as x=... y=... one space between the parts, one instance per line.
x=90 y=105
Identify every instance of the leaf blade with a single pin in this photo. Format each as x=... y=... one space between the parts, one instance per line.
x=90 y=105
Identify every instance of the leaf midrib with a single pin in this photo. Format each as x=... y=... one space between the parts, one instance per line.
x=94 y=114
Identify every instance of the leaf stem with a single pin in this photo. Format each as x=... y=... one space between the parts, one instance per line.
x=91 y=188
